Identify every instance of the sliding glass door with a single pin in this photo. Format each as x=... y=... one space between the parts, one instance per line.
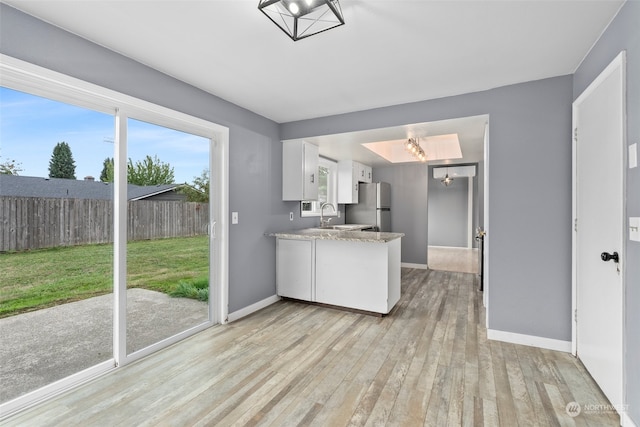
x=112 y=244
x=56 y=242
x=167 y=233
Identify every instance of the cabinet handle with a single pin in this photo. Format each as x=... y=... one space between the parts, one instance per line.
x=313 y=178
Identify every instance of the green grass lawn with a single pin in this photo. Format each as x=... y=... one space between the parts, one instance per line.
x=43 y=278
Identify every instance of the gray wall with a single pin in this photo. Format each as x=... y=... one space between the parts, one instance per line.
x=408 y=207
x=623 y=34
x=530 y=193
x=448 y=211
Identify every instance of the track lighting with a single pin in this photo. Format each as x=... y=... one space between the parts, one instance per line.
x=414 y=148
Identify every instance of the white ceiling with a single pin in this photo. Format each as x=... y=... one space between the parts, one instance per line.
x=388 y=52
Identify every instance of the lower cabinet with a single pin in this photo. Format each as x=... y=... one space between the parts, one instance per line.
x=358 y=275
x=295 y=268
x=363 y=276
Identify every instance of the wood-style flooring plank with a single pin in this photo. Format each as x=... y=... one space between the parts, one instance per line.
x=519 y=392
x=427 y=363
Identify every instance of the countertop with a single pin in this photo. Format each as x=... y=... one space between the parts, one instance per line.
x=352 y=234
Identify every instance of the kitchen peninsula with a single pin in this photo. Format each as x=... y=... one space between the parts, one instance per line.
x=342 y=267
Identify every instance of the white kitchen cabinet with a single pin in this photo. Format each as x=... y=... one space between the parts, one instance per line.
x=347 y=181
x=350 y=173
x=295 y=268
x=300 y=161
x=354 y=269
x=359 y=275
x=366 y=174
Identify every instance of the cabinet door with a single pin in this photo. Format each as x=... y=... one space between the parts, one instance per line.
x=300 y=162
x=368 y=174
x=364 y=172
x=361 y=172
x=294 y=268
x=347 y=181
x=311 y=164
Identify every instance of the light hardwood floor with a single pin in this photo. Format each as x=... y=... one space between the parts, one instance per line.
x=427 y=363
x=461 y=260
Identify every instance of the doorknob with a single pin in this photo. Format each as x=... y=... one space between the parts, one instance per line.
x=606 y=256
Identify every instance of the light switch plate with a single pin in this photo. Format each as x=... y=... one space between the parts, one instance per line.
x=234 y=217
x=633 y=155
x=290 y=216
x=634 y=229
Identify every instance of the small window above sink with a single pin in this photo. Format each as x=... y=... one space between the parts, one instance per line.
x=327 y=190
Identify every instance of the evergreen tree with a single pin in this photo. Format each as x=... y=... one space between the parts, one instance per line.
x=107 y=170
x=62 y=164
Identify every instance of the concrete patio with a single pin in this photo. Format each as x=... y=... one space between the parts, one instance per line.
x=44 y=346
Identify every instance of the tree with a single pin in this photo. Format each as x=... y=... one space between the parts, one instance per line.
x=150 y=171
x=10 y=167
x=62 y=164
x=199 y=190
x=107 y=170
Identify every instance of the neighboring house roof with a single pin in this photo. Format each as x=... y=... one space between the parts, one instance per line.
x=29 y=186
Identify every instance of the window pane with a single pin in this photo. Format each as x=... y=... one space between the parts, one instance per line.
x=327 y=190
x=323 y=175
x=56 y=251
x=167 y=233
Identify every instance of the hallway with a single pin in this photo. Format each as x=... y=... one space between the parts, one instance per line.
x=461 y=260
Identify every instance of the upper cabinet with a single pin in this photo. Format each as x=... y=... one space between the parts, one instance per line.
x=350 y=173
x=299 y=170
x=365 y=173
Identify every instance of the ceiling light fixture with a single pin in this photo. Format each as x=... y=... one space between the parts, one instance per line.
x=447 y=180
x=303 y=18
x=413 y=147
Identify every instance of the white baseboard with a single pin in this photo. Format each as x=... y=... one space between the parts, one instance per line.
x=243 y=312
x=530 y=340
x=625 y=420
x=410 y=265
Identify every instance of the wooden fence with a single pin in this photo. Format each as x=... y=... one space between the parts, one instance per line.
x=34 y=222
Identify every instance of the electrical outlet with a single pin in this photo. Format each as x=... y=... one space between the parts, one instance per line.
x=290 y=216
x=234 y=217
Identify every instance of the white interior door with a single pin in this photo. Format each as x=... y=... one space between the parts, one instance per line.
x=598 y=189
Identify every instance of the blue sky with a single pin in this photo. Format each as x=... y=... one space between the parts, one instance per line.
x=30 y=126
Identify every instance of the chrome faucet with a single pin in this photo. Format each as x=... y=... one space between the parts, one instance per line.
x=325 y=222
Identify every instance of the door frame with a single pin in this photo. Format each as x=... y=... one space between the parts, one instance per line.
x=617 y=64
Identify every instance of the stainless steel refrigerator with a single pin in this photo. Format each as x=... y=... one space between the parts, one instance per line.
x=374 y=206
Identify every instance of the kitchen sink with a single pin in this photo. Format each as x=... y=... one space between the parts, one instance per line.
x=343 y=227
x=318 y=229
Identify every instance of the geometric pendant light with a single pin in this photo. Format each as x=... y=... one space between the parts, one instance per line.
x=303 y=18
x=447 y=180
